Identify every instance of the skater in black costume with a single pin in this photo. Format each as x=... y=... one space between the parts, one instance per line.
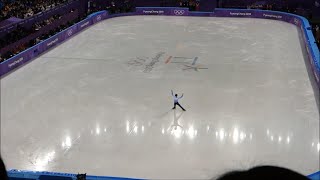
x=176 y=100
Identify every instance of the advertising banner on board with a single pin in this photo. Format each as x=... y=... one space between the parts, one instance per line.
x=14 y=62
x=233 y=13
x=99 y=16
x=84 y=24
x=201 y=14
x=162 y=11
x=70 y=31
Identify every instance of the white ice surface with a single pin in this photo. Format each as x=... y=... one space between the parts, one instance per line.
x=100 y=103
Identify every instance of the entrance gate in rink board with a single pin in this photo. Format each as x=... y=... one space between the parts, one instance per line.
x=29 y=54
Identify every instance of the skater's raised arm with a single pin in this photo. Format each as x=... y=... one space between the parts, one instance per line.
x=181 y=96
x=171 y=92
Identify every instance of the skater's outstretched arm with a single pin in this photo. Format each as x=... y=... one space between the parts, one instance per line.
x=181 y=96
x=171 y=92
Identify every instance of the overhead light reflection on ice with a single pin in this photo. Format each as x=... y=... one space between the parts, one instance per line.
x=191 y=132
x=221 y=134
x=67 y=142
x=177 y=132
x=135 y=130
x=97 y=130
x=235 y=135
x=128 y=126
x=41 y=163
x=242 y=136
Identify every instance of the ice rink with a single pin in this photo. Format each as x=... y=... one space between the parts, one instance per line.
x=100 y=103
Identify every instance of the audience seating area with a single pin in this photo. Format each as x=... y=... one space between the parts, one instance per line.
x=26 y=8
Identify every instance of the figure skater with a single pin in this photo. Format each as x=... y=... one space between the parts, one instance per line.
x=176 y=100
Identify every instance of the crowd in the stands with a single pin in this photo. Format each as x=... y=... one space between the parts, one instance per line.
x=316 y=31
x=22 y=32
x=193 y=5
x=26 y=8
x=112 y=6
x=14 y=36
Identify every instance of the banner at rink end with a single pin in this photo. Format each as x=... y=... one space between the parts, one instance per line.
x=170 y=11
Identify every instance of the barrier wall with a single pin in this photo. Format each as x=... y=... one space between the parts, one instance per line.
x=24 y=57
x=32 y=175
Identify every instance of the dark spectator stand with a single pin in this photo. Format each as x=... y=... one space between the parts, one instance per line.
x=18 y=36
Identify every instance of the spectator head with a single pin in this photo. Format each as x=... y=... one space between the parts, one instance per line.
x=3 y=172
x=263 y=173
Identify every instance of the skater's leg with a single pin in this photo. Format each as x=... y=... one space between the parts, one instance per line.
x=181 y=106
x=174 y=106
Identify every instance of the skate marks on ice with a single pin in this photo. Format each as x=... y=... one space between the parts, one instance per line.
x=154 y=60
x=138 y=61
x=146 y=62
x=194 y=66
x=185 y=63
x=189 y=63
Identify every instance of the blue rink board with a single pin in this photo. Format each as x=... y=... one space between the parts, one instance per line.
x=33 y=175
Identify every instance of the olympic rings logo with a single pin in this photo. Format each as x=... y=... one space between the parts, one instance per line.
x=296 y=21
x=69 y=32
x=178 y=12
x=99 y=18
